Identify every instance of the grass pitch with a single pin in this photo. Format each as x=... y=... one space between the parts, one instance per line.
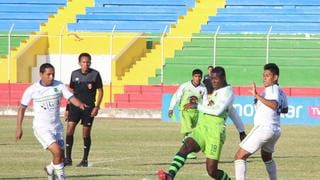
x=136 y=149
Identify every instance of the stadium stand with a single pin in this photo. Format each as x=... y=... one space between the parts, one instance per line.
x=26 y=15
x=11 y=93
x=131 y=16
x=290 y=45
x=251 y=16
x=39 y=42
x=243 y=59
x=242 y=41
x=150 y=96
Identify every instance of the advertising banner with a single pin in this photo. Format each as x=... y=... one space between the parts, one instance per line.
x=302 y=110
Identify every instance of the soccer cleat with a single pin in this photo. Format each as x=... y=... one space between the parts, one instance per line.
x=50 y=173
x=62 y=177
x=83 y=163
x=67 y=162
x=191 y=156
x=164 y=176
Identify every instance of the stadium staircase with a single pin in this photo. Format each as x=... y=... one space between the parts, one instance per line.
x=39 y=18
x=243 y=59
x=146 y=66
x=242 y=42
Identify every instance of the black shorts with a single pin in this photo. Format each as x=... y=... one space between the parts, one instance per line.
x=76 y=114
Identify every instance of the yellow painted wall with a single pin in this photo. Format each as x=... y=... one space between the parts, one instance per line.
x=92 y=42
x=128 y=56
x=146 y=66
x=23 y=59
x=26 y=59
x=71 y=42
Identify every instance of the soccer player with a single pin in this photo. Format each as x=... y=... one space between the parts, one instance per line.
x=209 y=134
x=47 y=127
x=84 y=83
x=192 y=90
x=232 y=113
x=266 y=130
x=207 y=80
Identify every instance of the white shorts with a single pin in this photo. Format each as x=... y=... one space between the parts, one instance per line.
x=47 y=137
x=264 y=137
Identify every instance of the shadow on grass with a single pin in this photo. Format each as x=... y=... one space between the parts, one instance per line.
x=251 y=159
x=188 y=162
x=87 y=176
x=258 y=157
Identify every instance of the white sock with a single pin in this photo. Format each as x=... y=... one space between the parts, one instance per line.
x=59 y=169
x=271 y=169
x=240 y=167
x=50 y=168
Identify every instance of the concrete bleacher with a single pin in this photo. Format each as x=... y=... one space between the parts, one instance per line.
x=243 y=59
x=243 y=50
x=141 y=96
x=137 y=96
x=11 y=94
x=150 y=97
x=251 y=16
x=15 y=41
x=150 y=16
x=26 y=15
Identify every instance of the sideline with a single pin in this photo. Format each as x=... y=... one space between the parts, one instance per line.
x=103 y=113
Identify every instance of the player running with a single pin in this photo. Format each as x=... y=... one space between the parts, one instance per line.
x=47 y=127
x=191 y=91
x=209 y=134
x=266 y=130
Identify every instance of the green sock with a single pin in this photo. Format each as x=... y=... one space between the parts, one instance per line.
x=222 y=175
x=177 y=163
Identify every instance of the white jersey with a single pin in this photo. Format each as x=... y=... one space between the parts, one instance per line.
x=222 y=100
x=46 y=104
x=185 y=91
x=264 y=114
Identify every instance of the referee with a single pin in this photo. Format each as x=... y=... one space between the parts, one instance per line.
x=84 y=83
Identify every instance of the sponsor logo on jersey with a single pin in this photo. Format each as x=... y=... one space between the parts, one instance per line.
x=89 y=86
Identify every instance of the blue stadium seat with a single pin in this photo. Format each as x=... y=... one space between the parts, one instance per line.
x=58 y=2
x=267 y=11
x=137 y=10
x=189 y=3
x=26 y=15
x=263 y=28
x=126 y=17
x=265 y=18
x=120 y=26
x=21 y=26
x=131 y=16
x=273 y=3
x=252 y=16
x=28 y=8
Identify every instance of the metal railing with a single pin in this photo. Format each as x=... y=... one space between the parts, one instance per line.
x=160 y=38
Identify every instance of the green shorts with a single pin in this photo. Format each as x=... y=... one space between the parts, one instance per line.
x=189 y=120
x=210 y=135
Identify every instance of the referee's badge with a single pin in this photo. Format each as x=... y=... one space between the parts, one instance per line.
x=89 y=86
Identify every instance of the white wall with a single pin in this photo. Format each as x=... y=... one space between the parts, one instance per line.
x=69 y=63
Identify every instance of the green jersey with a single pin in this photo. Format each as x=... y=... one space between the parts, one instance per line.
x=185 y=93
x=210 y=131
x=219 y=103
